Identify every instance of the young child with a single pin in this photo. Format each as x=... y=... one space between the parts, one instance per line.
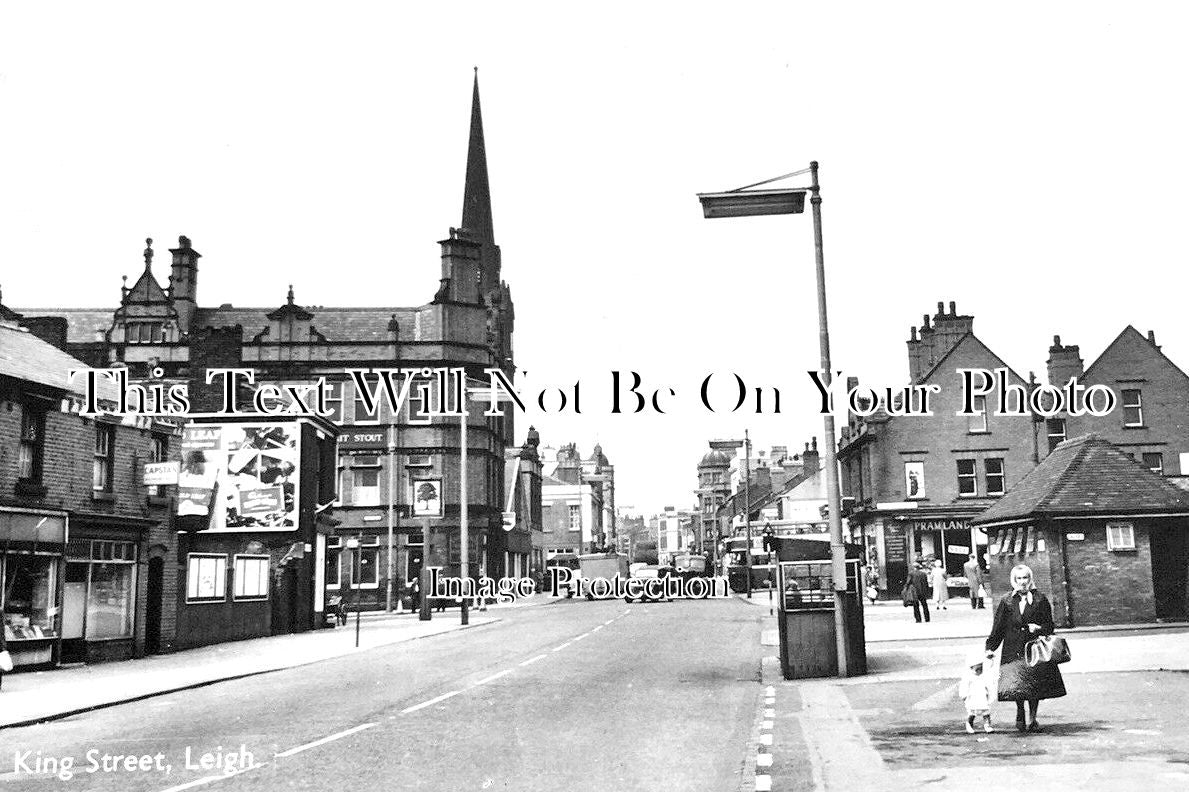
x=973 y=690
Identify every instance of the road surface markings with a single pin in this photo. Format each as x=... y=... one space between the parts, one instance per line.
x=563 y=646
x=324 y=740
x=769 y=713
x=766 y=725
x=609 y=621
x=430 y=703
x=764 y=760
x=532 y=660
x=596 y=629
x=763 y=783
x=493 y=677
x=580 y=637
x=765 y=739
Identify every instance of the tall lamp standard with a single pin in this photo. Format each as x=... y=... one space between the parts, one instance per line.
x=746 y=202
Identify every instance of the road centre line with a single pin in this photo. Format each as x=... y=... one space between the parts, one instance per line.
x=607 y=623
x=429 y=703
x=324 y=740
x=596 y=629
x=532 y=660
x=580 y=637
x=563 y=646
x=493 y=677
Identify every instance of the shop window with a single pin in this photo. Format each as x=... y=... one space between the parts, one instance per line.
x=994 y=477
x=111 y=590
x=334 y=556
x=967 y=479
x=1120 y=536
x=365 y=481
x=28 y=595
x=1056 y=432
x=30 y=455
x=1133 y=409
x=334 y=401
x=206 y=577
x=104 y=457
x=251 y=577
x=1155 y=463
x=365 y=563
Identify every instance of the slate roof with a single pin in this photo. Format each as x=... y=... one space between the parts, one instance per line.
x=24 y=356
x=335 y=324
x=1087 y=476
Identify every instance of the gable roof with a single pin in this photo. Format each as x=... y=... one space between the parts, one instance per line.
x=1130 y=330
x=968 y=335
x=1087 y=476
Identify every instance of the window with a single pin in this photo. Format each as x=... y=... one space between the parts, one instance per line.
x=334 y=555
x=977 y=423
x=144 y=332
x=365 y=482
x=334 y=401
x=365 y=563
x=419 y=403
x=1056 y=431
x=419 y=460
x=1133 y=411
x=30 y=590
x=914 y=480
x=31 y=453
x=159 y=453
x=251 y=577
x=1155 y=463
x=1120 y=536
x=206 y=577
x=575 y=518
x=362 y=416
x=967 y=480
x=109 y=574
x=104 y=458
x=994 y=471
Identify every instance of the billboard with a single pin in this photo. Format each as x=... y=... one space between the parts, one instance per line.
x=243 y=477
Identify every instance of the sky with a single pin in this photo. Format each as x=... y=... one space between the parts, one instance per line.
x=1026 y=161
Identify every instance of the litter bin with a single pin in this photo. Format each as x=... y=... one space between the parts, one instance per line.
x=805 y=618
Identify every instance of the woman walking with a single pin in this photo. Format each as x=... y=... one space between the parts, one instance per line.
x=1021 y=616
x=940 y=586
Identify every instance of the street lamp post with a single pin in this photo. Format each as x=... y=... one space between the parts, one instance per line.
x=747 y=502
x=746 y=202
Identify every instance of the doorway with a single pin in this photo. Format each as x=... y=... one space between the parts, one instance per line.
x=155 y=590
x=1170 y=571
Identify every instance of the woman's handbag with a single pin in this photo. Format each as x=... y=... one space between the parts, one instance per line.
x=908 y=594
x=982 y=592
x=5 y=662
x=872 y=593
x=1046 y=649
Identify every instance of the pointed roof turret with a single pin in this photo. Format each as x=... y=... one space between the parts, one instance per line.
x=146 y=289
x=476 y=197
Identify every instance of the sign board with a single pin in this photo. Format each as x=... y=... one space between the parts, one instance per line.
x=1076 y=537
x=958 y=549
x=426 y=497
x=362 y=440
x=157 y=474
x=509 y=520
x=244 y=476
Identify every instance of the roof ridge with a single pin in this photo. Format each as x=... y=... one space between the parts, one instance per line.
x=1082 y=447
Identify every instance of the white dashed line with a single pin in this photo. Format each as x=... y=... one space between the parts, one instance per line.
x=763 y=760
x=580 y=637
x=769 y=713
x=563 y=646
x=494 y=677
x=766 y=725
x=596 y=629
x=430 y=703
x=325 y=740
x=765 y=739
x=763 y=783
x=607 y=623
x=532 y=660
x=769 y=691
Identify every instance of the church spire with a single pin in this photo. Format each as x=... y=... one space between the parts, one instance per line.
x=476 y=198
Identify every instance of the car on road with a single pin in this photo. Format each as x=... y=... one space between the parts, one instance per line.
x=648 y=571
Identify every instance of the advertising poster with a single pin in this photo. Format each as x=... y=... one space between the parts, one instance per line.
x=426 y=497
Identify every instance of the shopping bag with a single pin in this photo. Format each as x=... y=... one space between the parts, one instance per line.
x=872 y=593
x=1046 y=649
x=983 y=593
x=5 y=662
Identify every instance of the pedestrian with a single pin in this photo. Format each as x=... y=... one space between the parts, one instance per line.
x=973 y=690
x=1022 y=615
x=974 y=578
x=940 y=585
x=916 y=593
x=5 y=657
x=871 y=582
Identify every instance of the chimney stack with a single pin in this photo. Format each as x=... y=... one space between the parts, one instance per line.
x=809 y=458
x=1064 y=362
x=460 y=268
x=183 y=282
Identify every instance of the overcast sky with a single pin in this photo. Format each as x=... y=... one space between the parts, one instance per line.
x=1027 y=161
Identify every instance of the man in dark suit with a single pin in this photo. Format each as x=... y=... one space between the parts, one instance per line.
x=974 y=577
x=919 y=582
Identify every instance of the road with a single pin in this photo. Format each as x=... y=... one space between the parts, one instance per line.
x=575 y=695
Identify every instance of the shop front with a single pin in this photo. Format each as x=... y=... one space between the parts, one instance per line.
x=99 y=599
x=33 y=545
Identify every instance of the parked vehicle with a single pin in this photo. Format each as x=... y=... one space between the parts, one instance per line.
x=646 y=571
x=602 y=565
x=562 y=560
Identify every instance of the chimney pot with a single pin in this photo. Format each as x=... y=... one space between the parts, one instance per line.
x=925 y=326
x=1152 y=336
x=953 y=308
x=940 y=308
x=1057 y=340
x=912 y=334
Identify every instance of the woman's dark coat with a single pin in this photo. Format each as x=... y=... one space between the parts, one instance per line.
x=1017 y=680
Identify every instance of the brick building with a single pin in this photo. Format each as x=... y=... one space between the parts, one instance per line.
x=522 y=484
x=1106 y=538
x=572 y=506
x=86 y=547
x=1150 y=422
x=918 y=480
x=169 y=334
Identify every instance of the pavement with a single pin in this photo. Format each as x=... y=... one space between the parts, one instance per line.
x=31 y=697
x=900 y=727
